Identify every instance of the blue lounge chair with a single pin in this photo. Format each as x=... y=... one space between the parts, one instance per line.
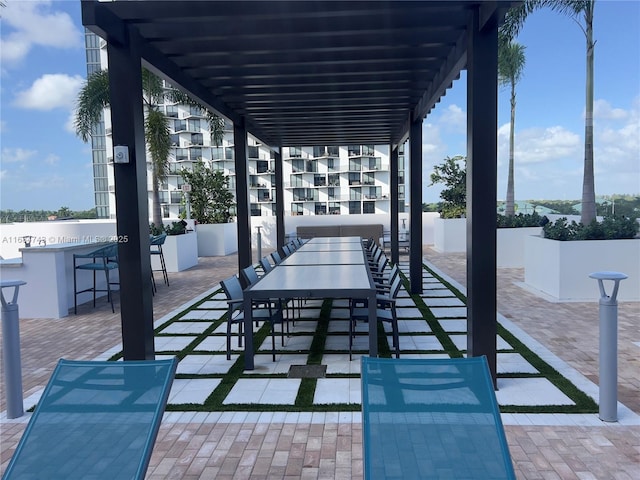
x=96 y=420
x=432 y=419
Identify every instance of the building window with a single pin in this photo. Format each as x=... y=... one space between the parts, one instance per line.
x=166 y=210
x=353 y=150
x=252 y=152
x=179 y=126
x=296 y=180
x=354 y=208
x=197 y=139
x=195 y=154
x=355 y=194
x=194 y=125
x=331 y=163
x=311 y=166
x=368 y=150
x=334 y=180
x=321 y=208
x=172 y=111
x=256 y=211
x=262 y=166
x=355 y=165
x=295 y=152
x=297 y=166
x=297 y=209
x=333 y=150
x=319 y=180
x=368 y=207
x=354 y=178
x=182 y=154
x=334 y=208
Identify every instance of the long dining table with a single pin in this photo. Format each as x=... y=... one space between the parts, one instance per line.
x=316 y=271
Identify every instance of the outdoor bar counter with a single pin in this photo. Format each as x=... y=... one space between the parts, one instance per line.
x=48 y=271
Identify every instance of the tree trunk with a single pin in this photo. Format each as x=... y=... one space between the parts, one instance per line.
x=510 y=206
x=155 y=197
x=588 y=182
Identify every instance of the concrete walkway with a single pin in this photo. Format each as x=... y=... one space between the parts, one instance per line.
x=328 y=445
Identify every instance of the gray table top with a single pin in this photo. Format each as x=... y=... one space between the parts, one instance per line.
x=341 y=257
x=316 y=240
x=317 y=281
x=329 y=247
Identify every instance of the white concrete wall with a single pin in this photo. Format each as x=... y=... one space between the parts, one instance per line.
x=561 y=269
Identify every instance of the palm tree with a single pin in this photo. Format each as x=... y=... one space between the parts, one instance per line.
x=93 y=98
x=576 y=10
x=510 y=67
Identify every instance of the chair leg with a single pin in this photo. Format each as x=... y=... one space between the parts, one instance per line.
x=75 y=289
x=109 y=295
x=164 y=268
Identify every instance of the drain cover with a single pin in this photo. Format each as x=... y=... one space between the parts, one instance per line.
x=307 y=371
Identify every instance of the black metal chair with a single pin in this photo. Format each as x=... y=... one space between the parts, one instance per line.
x=103 y=259
x=156 y=242
x=235 y=314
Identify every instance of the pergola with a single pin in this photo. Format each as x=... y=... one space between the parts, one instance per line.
x=304 y=73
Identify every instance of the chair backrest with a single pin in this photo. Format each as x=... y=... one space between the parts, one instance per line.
x=232 y=288
x=286 y=249
x=249 y=275
x=158 y=240
x=95 y=419
x=382 y=263
x=266 y=265
x=395 y=286
x=276 y=258
x=436 y=416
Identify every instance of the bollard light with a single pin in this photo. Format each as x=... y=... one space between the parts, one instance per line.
x=11 y=349
x=608 y=354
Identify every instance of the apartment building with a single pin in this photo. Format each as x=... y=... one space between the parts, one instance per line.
x=318 y=180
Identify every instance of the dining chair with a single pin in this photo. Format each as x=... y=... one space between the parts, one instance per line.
x=235 y=314
x=286 y=249
x=155 y=250
x=103 y=259
x=276 y=258
x=385 y=312
x=266 y=265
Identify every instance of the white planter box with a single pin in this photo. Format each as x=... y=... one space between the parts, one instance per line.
x=180 y=253
x=217 y=239
x=450 y=235
x=561 y=269
x=510 y=245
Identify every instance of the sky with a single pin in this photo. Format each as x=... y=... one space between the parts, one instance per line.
x=44 y=165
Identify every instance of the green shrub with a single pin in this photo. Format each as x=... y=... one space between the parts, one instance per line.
x=611 y=228
x=156 y=229
x=520 y=220
x=177 y=228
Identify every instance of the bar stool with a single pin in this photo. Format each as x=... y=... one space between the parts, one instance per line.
x=103 y=259
x=156 y=242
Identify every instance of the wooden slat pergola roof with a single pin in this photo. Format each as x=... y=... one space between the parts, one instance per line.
x=303 y=72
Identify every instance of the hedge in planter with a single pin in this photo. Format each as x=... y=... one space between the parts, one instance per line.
x=612 y=227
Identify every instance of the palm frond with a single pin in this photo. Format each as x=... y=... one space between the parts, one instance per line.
x=152 y=87
x=511 y=61
x=93 y=98
x=158 y=137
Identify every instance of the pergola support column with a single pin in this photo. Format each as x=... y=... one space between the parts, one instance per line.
x=132 y=209
x=280 y=231
x=415 y=220
x=243 y=217
x=393 y=195
x=482 y=121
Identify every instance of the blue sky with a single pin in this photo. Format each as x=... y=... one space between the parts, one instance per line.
x=45 y=166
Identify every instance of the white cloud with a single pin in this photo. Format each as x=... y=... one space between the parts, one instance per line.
x=34 y=23
x=603 y=110
x=56 y=90
x=17 y=155
x=454 y=118
x=539 y=145
x=52 y=159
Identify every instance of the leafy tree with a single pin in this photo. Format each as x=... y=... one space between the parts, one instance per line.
x=453 y=174
x=510 y=66
x=581 y=11
x=93 y=98
x=210 y=197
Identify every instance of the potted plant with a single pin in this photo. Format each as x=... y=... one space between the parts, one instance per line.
x=211 y=202
x=180 y=251
x=559 y=262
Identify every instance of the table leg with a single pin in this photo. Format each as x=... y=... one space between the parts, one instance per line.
x=373 y=326
x=248 y=334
